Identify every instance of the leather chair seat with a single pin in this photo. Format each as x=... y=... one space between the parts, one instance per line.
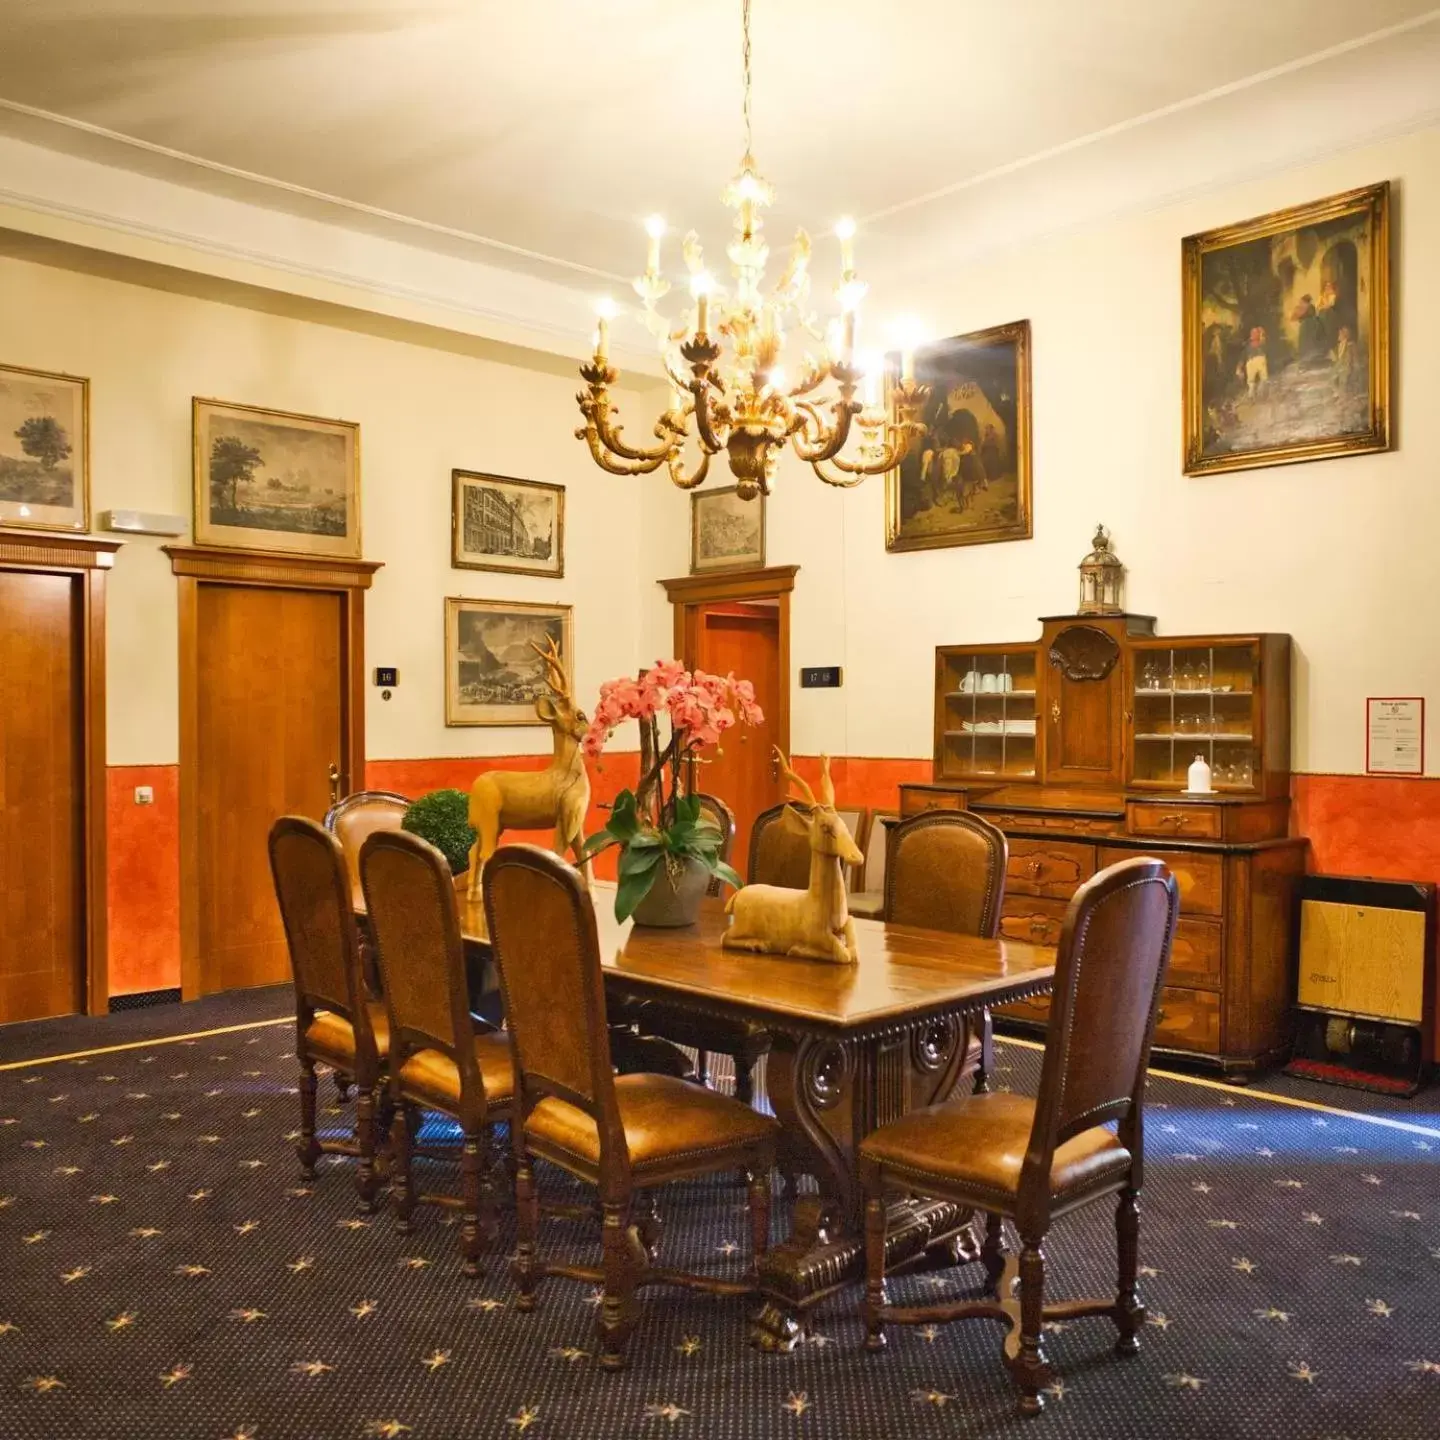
x=666 y=1122
x=433 y=1078
x=867 y=904
x=978 y=1145
x=333 y=1035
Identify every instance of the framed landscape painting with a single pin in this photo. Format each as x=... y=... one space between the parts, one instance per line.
x=517 y=526
x=1287 y=335
x=44 y=449
x=726 y=532
x=968 y=480
x=492 y=674
x=270 y=480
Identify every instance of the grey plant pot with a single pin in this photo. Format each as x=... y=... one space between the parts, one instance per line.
x=673 y=902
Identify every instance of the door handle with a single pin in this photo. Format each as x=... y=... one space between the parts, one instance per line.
x=334 y=784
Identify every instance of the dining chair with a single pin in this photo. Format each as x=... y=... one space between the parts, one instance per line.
x=351 y=820
x=336 y=1023
x=946 y=871
x=868 y=899
x=624 y=1134
x=778 y=855
x=438 y=1059
x=1033 y=1161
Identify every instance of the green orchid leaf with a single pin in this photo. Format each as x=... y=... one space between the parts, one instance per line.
x=635 y=885
x=633 y=860
x=687 y=808
x=726 y=873
x=600 y=840
x=624 y=818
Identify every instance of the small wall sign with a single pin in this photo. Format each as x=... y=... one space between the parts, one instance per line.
x=387 y=675
x=821 y=677
x=1394 y=735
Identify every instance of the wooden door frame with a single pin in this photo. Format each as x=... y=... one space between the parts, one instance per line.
x=197 y=565
x=89 y=559
x=689 y=594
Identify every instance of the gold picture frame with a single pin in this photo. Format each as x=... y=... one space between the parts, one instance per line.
x=968 y=480
x=726 y=533
x=309 y=503
x=44 y=422
x=515 y=527
x=492 y=675
x=1287 y=335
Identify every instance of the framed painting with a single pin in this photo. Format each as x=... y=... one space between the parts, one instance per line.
x=492 y=674
x=726 y=532
x=44 y=449
x=1287 y=335
x=968 y=480
x=516 y=526
x=271 y=480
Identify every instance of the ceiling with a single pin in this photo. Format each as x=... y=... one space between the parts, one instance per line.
x=544 y=129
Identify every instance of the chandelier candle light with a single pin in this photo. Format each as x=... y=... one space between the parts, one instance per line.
x=724 y=362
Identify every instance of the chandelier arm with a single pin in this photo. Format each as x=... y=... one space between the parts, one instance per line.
x=611 y=438
x=839 y=481
x=598 y=452
x=901 y=442
x=683 y=481
x=710 y=439
x=832 y=443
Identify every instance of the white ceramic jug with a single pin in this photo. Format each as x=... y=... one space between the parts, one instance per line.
x=1198 y=781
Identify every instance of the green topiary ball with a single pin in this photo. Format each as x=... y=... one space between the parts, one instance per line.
x=443 y=818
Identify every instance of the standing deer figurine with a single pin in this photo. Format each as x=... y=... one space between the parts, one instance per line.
x=814 y=923
x=559 y=795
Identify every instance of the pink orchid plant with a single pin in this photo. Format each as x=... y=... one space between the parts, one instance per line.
x=657 y=825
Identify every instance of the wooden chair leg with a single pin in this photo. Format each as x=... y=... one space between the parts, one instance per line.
x=402 y=1188
x=875 y=1218
x=342 y=1086
x=475 y=1215
x=992 y=1253
x=308 y=1150
x=1027 y=1365
x=702 y=1068
x=985 y=1070
x=367 y=1181
x=759 y=1213
x=617 y=1309
x=648 y=1224
x=1129 y=1312
x=744 y=1080
x=527 y=1224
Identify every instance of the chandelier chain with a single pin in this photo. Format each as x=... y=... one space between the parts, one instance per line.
x=745 y=28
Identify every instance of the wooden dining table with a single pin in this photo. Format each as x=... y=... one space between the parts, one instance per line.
x=853 y=1046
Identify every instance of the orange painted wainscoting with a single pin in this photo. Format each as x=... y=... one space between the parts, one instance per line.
x=143 y=881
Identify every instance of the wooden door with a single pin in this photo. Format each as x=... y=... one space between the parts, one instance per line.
x=270 y=685
x=42 y=796
x=744 y=639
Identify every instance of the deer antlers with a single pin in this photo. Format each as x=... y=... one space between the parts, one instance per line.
x=554 y=667
x=827 y=785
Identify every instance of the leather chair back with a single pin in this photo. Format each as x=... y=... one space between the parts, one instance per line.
x=946 y=871
x=312 y=887
x=778 y=856
x=722 y=817
x=355 y=818
x=542 y=933
x=410 y=899
x=1112 y=957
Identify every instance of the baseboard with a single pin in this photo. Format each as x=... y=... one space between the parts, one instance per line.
x=140 y=999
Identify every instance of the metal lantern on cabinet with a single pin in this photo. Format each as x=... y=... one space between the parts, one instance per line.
x=1102 y=578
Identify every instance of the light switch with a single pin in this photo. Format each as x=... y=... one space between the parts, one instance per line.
x=144 y=795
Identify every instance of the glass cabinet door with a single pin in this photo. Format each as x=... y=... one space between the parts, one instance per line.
x=1195 y=700
x=988 y=716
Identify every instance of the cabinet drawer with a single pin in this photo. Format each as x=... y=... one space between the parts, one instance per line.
x=1189 y=1020
x=916 y=799
x=1033 y=920
x=1064 y=824
x=1200 y=876
x=1188 y=822
x=1035 y=1010
x=1048 y=867
x=1195 y=953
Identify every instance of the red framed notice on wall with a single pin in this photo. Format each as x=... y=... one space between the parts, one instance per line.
x=1394 y=735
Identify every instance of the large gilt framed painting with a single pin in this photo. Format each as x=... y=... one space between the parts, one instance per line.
x=493 y=675
x=1287 y=335
x=44 y=449
x=271 y=480
x=968 y=480
x=516 y=526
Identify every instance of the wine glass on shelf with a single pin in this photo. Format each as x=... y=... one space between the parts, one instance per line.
x=1202 y=676
x=1187 y=678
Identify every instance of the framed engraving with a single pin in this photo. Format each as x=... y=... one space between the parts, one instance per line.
x=726 y=532
x=492 y=674
x=44 y=449
x=514 y=526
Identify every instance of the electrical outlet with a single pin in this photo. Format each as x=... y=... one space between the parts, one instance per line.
x=144 y=795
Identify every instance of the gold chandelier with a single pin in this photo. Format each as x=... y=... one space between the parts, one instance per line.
x=742 y=402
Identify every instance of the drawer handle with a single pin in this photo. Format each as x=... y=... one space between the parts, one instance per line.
x=1038 y=929
x=1178 y=821
x=1035 y=869
x=1159 y=1014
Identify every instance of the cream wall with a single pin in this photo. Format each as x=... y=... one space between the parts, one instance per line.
x=1339 y=554
x=421 y=412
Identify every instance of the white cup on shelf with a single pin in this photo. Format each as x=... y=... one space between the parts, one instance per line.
x=987 y=683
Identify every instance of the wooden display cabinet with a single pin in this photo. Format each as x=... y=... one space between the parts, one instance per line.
x=1078 y=748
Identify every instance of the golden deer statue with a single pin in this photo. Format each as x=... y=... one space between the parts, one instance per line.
x=814 y=923
x=559 y=795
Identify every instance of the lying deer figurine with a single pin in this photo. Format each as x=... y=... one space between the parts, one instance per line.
x=814 y=923
x=559 y=795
